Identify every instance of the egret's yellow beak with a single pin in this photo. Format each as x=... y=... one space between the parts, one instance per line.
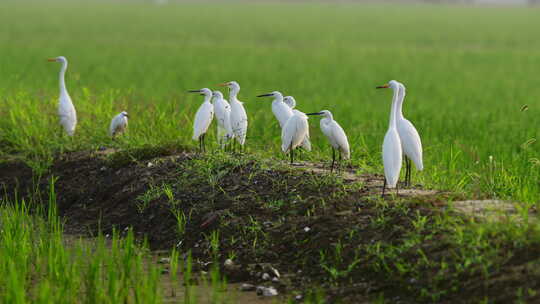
x=386 y=86
x=225 y=84
x=51 y=59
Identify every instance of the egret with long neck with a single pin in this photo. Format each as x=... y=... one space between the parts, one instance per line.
x=66 y=110
x=392 y=152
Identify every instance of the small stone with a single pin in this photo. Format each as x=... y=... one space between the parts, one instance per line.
x=265 y=276
x=307 y=229
x=164 y=260
x=150 y=164
x=266 y=291
x=275 y=271
x=270 y=292
x=298 y=297
x=229 y=264
x=275 y=280
x=247 y=287
x=102 y=168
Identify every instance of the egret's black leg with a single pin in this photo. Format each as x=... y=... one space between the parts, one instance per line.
x=333 y=159
x=397 y=189
x=409 y=172
x=339 y=163
x=383 y=187
x=202 y=143
x=292 y=156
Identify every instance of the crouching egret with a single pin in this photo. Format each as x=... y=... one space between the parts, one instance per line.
x=203 y=117
x=392 y=152
x=293 y=133
x=118 y=124
x=239 y=121
x=222 y=111
x=291 y=102
x=410 y=139
x=335 y=134
x=66 y=110
x=281 y=111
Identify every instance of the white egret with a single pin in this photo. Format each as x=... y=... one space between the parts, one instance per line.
x=119 y=124
x=203 y=117
x=293 y=133
x=392 y=152
x=222 y=111
x=335 y=134
x=239 y=121
x=291 y=102
x=410 y=139
x=281 y=111
x=66 y=110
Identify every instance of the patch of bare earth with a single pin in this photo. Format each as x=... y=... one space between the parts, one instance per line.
x=317 y=229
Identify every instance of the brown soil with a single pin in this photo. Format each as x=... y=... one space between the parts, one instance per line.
x=267 y=217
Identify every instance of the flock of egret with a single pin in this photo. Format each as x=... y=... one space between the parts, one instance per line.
x=401 y=137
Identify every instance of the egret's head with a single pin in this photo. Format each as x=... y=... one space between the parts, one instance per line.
x=392 y=84
x=124 y=113
x=233 y=85
x=61 y=59
x=290 y=101
x=217 y=94
x=204 y=91
x=275 y=94
x=324 y=113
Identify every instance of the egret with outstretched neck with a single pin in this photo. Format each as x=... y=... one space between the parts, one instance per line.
x=410 y=139
x=66 y=109
x=203 y=117
x=335 y=134
x=281 y=111
x=392 y=152
x=222 y=110
x=291 y=102
x=119 y=124
x=239 y=121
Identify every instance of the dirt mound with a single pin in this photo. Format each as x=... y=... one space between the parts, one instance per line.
x=318 y=230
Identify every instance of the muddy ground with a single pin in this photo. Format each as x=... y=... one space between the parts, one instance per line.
x=323 y=233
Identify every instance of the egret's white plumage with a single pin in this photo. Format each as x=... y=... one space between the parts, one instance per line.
x=203 y=117
x=293 y=132
x=392 y=152
x=239 y=121
x=119 y=124
x=291 y=102
x=66 y=110
x=410 y=139
x=222 y=111
x=335 y=134
x=281 y=111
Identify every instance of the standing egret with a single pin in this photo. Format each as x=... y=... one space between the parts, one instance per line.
x=222 y=111
x=410 y=139
x=281 y=110
x=239 y=121
x=66 y=110
x=118 y=124
x=392 y=152
x=291 y=102
x=203 y=117
x=293 y=133
x=335 y=134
